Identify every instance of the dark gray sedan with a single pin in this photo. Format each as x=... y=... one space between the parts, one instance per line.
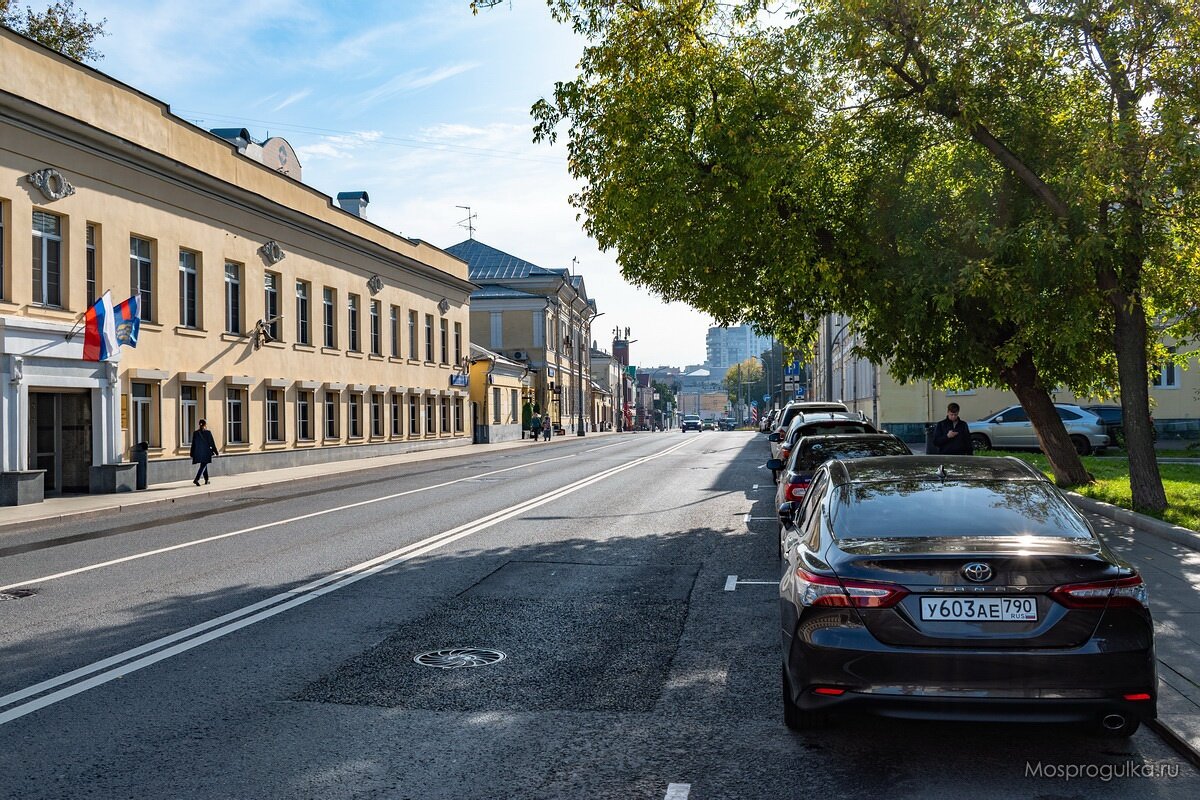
x=952 y=587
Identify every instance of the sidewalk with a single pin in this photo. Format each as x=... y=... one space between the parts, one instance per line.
x=1169 y=559
x=54 y=509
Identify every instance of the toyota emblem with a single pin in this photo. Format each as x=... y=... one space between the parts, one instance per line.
x=977 y=571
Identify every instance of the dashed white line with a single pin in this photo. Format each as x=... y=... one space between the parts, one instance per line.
x=731 y=583
x=678 y=791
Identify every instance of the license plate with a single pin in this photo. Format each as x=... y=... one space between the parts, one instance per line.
x=979 y=609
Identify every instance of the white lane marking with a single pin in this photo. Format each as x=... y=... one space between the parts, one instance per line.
x=731 y=583
x=266 y=525
x=678 y=791
x=761 y=466
x=272 y=606
x=594 y=449
x=747 y=518
x=754 y=488
x=760 y=583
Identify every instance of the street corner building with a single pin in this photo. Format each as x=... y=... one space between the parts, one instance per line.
x=300 y=331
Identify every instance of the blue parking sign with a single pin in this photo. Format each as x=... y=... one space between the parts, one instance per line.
x=766 y=398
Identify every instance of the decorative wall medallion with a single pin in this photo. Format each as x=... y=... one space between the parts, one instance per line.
x=375 y=284
x=272 y=252
x=444 y=305
x=51 y=183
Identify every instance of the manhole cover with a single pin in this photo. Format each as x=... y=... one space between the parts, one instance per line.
x=457 y=657
x=16 y=594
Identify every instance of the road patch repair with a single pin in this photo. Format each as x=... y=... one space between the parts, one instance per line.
x=578 y=637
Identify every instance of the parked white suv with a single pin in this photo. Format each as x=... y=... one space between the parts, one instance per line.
x=1011 y=429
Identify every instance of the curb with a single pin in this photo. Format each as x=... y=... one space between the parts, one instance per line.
x=1175 y=741
x=1164 y=530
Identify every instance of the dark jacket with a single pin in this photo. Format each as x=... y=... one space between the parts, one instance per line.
x=960 y=445
x=204 y=447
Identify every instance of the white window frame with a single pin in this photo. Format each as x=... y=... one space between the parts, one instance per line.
x=376 y=328
x=233 y=298
x=237 y=430
x=329 y=317
x=142 y=274
x=305 y=399
x=43 y=243
x=414 y=415
x=496 y=320
x=331 y=416
x=377 y=424
x=273 y=400
x=271 y=283
x=303 y=312
x=189 y=285
x=190 y=412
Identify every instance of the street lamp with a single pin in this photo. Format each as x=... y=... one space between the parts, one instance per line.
x=579 y=361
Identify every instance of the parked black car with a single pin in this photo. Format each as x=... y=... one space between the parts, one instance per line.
x=1113 y=418
x=958 y=588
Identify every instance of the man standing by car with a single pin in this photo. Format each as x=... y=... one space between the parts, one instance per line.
x=952 y=437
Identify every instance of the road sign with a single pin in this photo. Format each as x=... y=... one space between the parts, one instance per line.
x=766 y=398
x=800 y=392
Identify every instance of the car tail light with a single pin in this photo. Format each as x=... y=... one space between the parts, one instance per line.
x=1122 y=593
x=1138 y=697
x=824 y=590
x=795 y=490
x=829 y=691
x=784 y=452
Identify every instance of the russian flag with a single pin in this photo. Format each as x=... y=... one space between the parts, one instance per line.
x=99 y=330
x=128 y=320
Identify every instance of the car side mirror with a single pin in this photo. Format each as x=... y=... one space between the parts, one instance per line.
x=787 y=512
x=775 y=464
x=774 y=437
x=998 y=419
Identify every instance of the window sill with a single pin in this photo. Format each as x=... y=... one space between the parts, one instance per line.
x=354 y=354
x=331 y=351
x=375 y=357
x=195 y=333
x=237 y=447
x=306 y=442
x=150 y=325
x=274 y=345
x=232 y=337
x=395 y=359
x=415 y=362
x=304 y=348
x=443 y=366
x=327 y=441
x=274 y=445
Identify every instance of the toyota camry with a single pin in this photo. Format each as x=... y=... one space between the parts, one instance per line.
x=962 y=588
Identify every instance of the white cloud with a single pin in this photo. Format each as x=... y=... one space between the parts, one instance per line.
x=292 y=98
x=407 y=82
x=337 y=147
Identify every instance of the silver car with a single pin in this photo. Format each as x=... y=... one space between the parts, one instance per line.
x=1011 y=429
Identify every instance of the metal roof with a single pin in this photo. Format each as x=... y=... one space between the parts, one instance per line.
x=487 y=263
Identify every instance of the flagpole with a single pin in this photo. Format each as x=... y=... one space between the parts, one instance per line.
x=78 y=324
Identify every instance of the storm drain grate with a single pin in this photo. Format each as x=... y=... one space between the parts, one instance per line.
x=16 y=594
x=459 y=657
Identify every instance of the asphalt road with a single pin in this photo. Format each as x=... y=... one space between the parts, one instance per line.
x=262 y=647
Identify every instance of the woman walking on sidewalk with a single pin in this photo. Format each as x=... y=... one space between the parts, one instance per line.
x=203 y=450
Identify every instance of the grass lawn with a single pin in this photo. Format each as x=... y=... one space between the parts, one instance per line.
x=1181 y=482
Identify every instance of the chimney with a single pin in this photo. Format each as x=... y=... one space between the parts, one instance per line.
x=354 y=202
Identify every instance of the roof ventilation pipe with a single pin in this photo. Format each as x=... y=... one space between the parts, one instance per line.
x=354 y=202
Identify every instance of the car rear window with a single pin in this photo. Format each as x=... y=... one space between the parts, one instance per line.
x=933 y=509
x=820 y=452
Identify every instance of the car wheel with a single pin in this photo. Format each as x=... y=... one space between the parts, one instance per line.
x=795 y=717
x=980 y=442
x=1124 y=731
x=1082 y=446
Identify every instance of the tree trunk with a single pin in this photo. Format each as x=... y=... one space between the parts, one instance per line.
x=1052 y=435
x=1129 y=333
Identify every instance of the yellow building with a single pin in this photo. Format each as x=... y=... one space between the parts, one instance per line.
x=500 y=388
x=302 y=332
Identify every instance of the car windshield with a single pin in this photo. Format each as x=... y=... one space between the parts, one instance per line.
x=929 y=508
x=820 y=452
x=830 y=427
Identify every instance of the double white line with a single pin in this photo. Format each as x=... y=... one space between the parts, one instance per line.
x=46 y=693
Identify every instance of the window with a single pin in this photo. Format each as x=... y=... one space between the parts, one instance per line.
x=458 y=416
x=302 y=328
x=331 y=415
x=430 y=419
x=187 y=289
x=271 y=305
x=354 y=408
x=329 y=297
x=397 y=413
x=495 y=405
x=395 y=332
x=376 y=333
x=458 y=351
x=539 y=328
x=189 y=412
x=90 y=258
x=1014 y=414
x=377 y=416
x=2 y=208
x=445 y=415
x=144 y=429
x=514 y=405
x=444 y=340
x=233 y=297
x=352 y=322
x=497 y=323
x=141 y=268
x=429 y=337
x=414 y=417
x=47 y=259
x=235 y=415
x=1168 y=374
x=304 y=419
x=274 y=415
x=412 y=335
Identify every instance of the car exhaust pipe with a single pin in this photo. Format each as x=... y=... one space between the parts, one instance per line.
x=1114 y=722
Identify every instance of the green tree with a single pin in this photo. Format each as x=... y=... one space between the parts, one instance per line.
x=744 y=381
x=1001 y=193
x=61 y=27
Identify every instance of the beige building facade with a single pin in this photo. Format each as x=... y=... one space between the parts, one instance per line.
x=904 y=409
x=299 y=330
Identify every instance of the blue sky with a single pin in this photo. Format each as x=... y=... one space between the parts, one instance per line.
x=416 y=101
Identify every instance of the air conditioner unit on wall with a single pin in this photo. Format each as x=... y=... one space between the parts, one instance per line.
x=520 y=355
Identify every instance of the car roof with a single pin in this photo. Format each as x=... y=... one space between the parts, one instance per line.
x=891 y=469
